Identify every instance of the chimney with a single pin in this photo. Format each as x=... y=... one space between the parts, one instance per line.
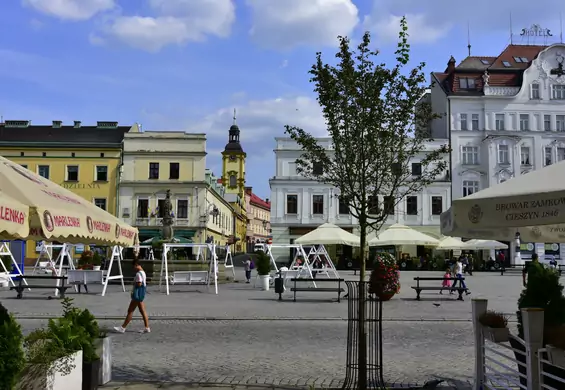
x=450 y=65
x=248 y=190
x=77 y=124
x=267 y=200
x=57 y=124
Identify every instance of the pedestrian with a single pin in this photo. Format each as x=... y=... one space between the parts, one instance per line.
x=529 y=267
x=446 y=281
x=248 y=265
x=459 y=277
x=137 y=298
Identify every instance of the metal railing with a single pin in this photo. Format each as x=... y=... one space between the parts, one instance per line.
x=550 y=376
x=502 y=367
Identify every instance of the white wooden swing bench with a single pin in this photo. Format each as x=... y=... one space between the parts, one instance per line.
x=190 y=277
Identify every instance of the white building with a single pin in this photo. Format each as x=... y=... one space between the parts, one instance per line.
x=505 y=118
x=299 y=205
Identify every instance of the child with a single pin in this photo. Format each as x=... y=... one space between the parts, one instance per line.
x=248 y=266
x=446 y=282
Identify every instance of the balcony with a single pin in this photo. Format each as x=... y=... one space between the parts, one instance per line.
x=177 y=222
x=501 y=91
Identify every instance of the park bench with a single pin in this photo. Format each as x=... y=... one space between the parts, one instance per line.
x=190 y=277
x=460 y=290
x=337 y=289
x=20 y=287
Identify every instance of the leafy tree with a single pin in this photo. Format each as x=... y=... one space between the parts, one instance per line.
x=377 y=121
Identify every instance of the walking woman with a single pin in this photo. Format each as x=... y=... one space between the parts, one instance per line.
x=137 y=297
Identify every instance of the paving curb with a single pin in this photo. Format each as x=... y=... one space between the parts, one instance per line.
x=196 y=385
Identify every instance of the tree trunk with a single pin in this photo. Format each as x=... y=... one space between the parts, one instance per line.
x=362 y=350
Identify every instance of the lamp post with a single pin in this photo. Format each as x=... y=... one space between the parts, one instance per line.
x=517 y=254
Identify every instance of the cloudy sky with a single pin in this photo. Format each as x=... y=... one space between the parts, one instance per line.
x=186 y=64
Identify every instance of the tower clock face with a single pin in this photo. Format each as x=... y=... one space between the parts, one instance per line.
x=232 y=158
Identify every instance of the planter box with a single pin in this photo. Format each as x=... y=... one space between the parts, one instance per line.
x=56 y=380
x=4 y=279
x=104 y=350
x=90 y=374
x=497 y=335
x=555 y=355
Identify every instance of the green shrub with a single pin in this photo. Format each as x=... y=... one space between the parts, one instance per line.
x=12 y=358
x=262 y=263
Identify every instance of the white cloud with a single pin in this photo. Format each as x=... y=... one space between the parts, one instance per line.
x=176 y=22
x=285 y=24
x=419 y=28
x=284 y=64
x=262 y=120
x=71 y=9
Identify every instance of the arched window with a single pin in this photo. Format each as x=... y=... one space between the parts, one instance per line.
x=233 y=181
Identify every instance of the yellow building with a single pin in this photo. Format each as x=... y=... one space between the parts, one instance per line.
x=219 y=213
x=233 y=179
x=84 y=159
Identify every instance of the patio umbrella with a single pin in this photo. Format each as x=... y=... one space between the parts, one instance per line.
x=159 y=239
x=485 y=245
x=451 y=243
x=14 y=217
x=57 y=214
x=532 y=205
x=398 y=234
x=328 y=234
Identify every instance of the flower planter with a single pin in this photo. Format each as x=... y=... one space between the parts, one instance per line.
x=104 y=350
x=496 y=335
x=264 y=282
x=4 y=279
x=90 y=375
x=55 y=380
x=555 y=355
x=96 y=268
x=385 y=296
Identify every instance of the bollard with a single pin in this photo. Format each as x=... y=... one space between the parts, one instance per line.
x=279 y=285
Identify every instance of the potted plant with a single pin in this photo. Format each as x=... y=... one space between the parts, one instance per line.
x=384 y=281
x=495 y=326
x=556 y=345
x=85 y=261
x=263 y=266
x=104 y=351
x=12 y=358
x=96 y=261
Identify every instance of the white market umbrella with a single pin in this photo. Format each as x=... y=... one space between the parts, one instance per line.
x=485 y=245
x=398 y=234
x=329 y=234
x=532 y=205
x=451 y=244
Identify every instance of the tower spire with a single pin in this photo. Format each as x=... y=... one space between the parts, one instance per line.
x=234 y=117
x=469 y=38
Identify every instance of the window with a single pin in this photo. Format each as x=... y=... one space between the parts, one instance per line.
x=475 y=122
x=44 y=154
x=101 y=173
x=73 y=154
x=467 y=83
x=373 y=205
x=182 y=208
x=317 y=204
x=506 y=64
x=485 y=62
x=560 y=154
x=153 y=170
x=416 y=169
x=525 y=155
x=499 y=122
x=470 y=187
x=23 y=166
x=161 y=208
x=388 y=204
x=233 y=181
x=503 y=154
x=412 y=205
x=535 y=91
x=548 y=155
x=559 y=92
x=22 y=154
x=464 y=122
x=470 y=155
x=524 y=122
x=43 y=171
x=101 y=155
x=547 y=122
x=317 y=169
x=518 y=59
x=343 y=206
x=524 y=60
x=100 y=202
x=142 y=208
x=437 y=205
x=560 y=122
x=174 y=170
x=72 y=173
x=292 y=204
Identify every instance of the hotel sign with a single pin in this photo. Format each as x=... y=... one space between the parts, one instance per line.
x=536 y=31
x=80 y=186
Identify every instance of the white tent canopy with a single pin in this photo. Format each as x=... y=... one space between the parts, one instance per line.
x=328 y=234
x=451 y=243
x=485 y=245
x=532 y=205
x=398 y=234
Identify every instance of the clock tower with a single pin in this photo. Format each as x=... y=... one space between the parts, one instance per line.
x=233 y=163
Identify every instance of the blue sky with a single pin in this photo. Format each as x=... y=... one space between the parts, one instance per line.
x=186 y=64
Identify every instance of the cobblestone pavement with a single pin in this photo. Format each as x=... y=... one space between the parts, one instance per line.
x=283 y=353
x=243 y=301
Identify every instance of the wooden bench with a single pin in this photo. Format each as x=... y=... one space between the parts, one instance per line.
x=190 y=277
x=460 y=290
x=21 y=287
x=337 y=289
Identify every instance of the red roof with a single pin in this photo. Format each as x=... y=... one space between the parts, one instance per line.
x=257 y=201
x=505 y=70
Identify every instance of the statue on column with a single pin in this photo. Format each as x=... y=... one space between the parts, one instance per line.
x=167 y=232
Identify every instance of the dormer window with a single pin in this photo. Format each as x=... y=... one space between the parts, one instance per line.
x=535 y=92
x=485 y=62
x=467 y=83
x=506 y=64
x=521 y=60
x=517 y=59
